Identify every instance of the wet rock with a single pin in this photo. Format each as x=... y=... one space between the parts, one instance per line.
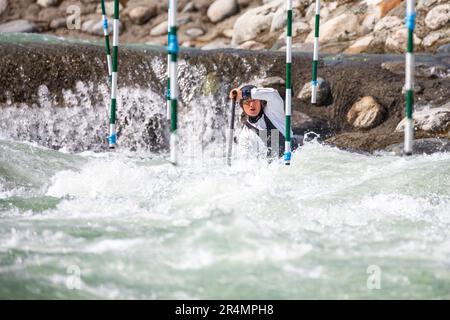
x=365 y=114
x=48 y=3
x=396 y=41
x=194 y=32
x=422 y=146
x=323 y=92
x=160 y=29
x=141 y=14
x=220 y=9
x=109 y=8
x=438 y=17
x=360 y=45
x=303 y=123
x=430 y=120
x=18 y=26
x=3 y=6
x=253 y=22
x=421 y=70
x=341 y=26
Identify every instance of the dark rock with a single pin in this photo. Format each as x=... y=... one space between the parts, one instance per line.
x=323 y=92
x=422 y=146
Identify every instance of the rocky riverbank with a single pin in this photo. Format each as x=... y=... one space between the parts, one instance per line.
x=360 y=105
x=349 y=26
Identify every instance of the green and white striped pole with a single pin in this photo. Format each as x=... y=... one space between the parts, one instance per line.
x=409 y=77
x=172 y=50
x=316 y=55
x=106 y=33
x=112 y=119
x=168 y=70
x=288 y=100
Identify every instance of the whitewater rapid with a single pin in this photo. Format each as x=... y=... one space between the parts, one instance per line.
x=129 y=225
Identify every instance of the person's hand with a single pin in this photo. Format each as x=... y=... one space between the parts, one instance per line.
x=236 y=94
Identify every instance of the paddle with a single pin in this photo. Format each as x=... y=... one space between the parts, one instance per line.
x=231 y=128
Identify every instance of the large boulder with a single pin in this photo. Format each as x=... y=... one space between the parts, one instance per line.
x=361 y=45
x=343 y=26
x=141 y=14
x=48 y=3
x=430 y=120
x=303 y=123
x=388 y=23
x=220 y=9
x=397 y=41
x=366 y=113
x=253 y=22
x=3 y=6
x=323 y=92
x=160 y=29
x=279 y=19
x=18 y=26
x=195 y=32
x=438 y=17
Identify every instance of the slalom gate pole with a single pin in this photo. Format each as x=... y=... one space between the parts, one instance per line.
x=172 y=50
x=288 y=100
x=231 y=129
x=409 y=77
x=316 y=55
x=168 y=69
x=106 y=33
x=112 y=120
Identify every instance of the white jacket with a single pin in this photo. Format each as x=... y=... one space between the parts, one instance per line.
x=249 y=142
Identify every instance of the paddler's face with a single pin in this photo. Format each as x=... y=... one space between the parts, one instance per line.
x=252 y=107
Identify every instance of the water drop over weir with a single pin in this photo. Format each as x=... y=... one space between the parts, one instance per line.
x=55 y=92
